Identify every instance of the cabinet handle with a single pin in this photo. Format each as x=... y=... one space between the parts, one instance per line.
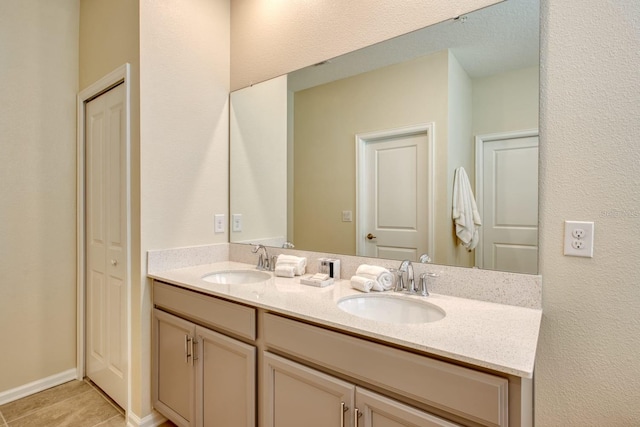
x=343 y=408
x=187 y=348
x=194 y=350
x=356 y=415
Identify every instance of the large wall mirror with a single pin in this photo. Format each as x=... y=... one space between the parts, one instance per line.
x=359 y=154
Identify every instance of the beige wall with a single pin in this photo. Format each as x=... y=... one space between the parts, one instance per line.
x=410 y=93
x=506 y=102
x=258 y=158
x=460 y=154
x=586 y=371
x=184 y=138
x=270 y=38
x=38 y=85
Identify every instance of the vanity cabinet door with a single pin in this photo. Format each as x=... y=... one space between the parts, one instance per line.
x=173 y=369
x=295 y=395
x=375 y=410
x=225 y=381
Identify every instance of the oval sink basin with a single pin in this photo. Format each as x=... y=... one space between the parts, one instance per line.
x=391 y=309
x=237 y=277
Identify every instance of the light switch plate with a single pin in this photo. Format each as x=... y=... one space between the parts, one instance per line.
x=236 y=222
x=346 y=216
x=578 y=238
x=219 y=223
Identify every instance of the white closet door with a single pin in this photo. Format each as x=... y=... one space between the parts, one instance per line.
x=395 y=188
x=510 y=204
x=106 y=244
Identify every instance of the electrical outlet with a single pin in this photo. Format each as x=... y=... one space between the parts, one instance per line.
x=218 y=223
x=577 y=244
x=236 y=222
x=578 y=233
x=578 y=238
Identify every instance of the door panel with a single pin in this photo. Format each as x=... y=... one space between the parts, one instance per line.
x=225 y=382
x=295 y=396
x=509 y=191
x=106 y=243
x=174 y=385
x=380 y=411
x=394 y=191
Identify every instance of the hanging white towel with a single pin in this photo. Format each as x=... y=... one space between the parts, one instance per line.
x=465 y=211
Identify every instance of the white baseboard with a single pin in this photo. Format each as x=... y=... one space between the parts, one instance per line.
x=152 y=420
x=36 y=386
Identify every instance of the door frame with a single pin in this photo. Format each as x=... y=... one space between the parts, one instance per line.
x=120 y=75
x=362 y=139
x=480 y=140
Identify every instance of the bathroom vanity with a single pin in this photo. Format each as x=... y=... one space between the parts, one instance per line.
x=278 y=353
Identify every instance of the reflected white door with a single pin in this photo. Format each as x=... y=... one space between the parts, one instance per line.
x=507 y=189
x=106 y=244
x=395 y=193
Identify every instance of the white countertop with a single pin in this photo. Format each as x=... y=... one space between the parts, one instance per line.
x=494 y=336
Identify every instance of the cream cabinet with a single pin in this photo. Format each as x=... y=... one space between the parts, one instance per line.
x=296 y=395
x=174 y=372
x=201 y=377
x=222 y=363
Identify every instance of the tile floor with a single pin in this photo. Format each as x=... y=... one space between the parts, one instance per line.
x=73 y=404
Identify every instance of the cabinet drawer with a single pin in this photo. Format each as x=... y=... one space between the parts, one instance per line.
x=477 y=396
x=208 y=311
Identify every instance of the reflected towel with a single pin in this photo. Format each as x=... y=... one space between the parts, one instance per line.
x=362 y=283
x=382 y=277
x=465 y=211
x=299 y=263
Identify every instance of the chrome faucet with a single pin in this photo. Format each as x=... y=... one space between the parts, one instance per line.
x=406 y=267
x=424 y=258
x=264 y=262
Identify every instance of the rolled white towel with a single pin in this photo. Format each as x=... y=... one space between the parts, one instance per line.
x=362 y=283
x=300 y=263
x=382 y=276
x=284 y=270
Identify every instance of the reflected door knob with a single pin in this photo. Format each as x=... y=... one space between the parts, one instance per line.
x=371 y=236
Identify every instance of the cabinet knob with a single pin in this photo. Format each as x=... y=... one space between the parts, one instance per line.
x=114 y=262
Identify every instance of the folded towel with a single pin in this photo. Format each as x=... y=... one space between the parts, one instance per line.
x=300 y=263
x=465 y=212
x=382 y=277
x=361 y=283
x=284 y=270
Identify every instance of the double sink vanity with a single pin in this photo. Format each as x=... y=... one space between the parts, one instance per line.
x=235 y=346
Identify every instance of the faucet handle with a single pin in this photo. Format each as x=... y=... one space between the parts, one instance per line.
x=423 y=288
x=399 y=280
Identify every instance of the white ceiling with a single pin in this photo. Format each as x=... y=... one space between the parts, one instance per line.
x=494 y=39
